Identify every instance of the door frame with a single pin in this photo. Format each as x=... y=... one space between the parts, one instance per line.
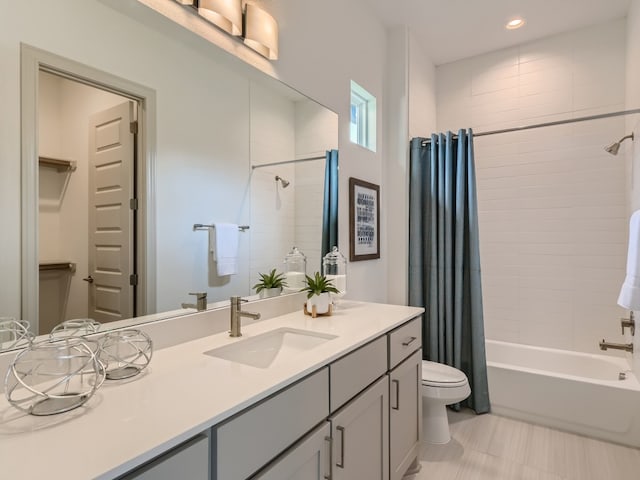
x=32 y=61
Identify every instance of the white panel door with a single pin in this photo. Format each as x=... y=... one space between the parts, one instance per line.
x=360 y=433
x=111 y=221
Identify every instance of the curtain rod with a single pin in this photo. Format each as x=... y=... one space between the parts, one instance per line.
x=323 y=157
x=549 y=124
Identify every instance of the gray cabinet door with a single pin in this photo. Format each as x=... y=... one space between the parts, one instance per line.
x=360 y=433
x=307 y=460
x=405 y=412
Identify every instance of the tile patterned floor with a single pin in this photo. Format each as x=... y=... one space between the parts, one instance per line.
x=489 y=447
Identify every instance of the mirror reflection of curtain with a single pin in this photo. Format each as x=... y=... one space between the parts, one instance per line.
x=444 y=257
x=330 y=205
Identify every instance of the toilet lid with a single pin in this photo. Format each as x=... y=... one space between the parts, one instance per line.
x=438 y=373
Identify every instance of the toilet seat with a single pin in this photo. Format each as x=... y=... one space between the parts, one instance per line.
x=441 y=376
x=430 y=383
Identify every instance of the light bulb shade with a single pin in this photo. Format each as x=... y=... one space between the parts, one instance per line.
x=225 y=14
x=185 y=2
x=261 y=32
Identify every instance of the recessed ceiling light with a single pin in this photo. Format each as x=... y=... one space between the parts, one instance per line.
x=515 y=23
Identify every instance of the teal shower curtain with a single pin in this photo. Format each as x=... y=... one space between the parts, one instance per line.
x=330 y=205
x=444 y=257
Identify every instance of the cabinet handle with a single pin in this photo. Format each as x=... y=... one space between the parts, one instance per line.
x=327 y=474
x=409 y=342
x=397 y=384
x=341 y=463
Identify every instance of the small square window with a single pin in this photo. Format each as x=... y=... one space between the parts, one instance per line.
x=363 y=117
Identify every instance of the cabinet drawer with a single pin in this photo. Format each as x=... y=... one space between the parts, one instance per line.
x=354 y=372
x=404 y=340
x=190 y=460
x=249 y=441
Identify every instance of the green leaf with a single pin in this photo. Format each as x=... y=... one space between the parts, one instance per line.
x=270 y=280
x=318 y=284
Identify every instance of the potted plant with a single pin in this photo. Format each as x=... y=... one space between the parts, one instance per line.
x=270 y=284
x=318 y=289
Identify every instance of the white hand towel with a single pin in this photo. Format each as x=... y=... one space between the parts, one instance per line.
x=224 y=248
x=630 y=292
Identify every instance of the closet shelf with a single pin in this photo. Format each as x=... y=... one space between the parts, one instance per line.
x=44 y=266
x=58 y=164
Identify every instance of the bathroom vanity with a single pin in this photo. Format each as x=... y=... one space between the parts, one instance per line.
x=338 y=399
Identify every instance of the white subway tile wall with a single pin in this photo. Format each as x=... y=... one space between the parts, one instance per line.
x=553 y=205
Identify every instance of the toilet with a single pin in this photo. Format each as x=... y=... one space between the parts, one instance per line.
x=442 y=385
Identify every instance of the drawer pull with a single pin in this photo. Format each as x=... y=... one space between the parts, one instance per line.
x=329 y=441
x=397 y=384
x=341 y=463
x=406 y=343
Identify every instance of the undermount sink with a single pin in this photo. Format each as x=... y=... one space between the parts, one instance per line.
x=268 y=348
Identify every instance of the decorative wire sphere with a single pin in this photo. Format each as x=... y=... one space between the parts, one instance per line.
x=78 y=327
x=54 y=377
x=14 y=333
x=125 y=353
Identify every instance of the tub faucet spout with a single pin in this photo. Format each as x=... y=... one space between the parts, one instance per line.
x=627 y=347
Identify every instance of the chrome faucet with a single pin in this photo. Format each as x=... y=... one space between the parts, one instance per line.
x=629 y=323
x=236 y=314
x=627 y=347
x=201 y=302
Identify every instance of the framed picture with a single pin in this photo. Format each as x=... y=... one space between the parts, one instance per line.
x=364 y=220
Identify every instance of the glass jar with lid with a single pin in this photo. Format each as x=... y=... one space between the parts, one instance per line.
x=295 y=270
x=334 y=267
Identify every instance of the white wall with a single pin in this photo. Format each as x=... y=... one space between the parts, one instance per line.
x=552 y=203
x=633 y=97
x=320 y=53
x=410 y=112
x=633 y=125
x=422 y=91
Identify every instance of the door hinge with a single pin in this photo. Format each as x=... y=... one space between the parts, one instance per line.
x=133 y=204
x=133 y=127
x=133 y=279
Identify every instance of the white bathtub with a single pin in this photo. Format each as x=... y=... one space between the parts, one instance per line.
x=571 y=391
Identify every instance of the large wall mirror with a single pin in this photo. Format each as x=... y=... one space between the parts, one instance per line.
x=212 y=135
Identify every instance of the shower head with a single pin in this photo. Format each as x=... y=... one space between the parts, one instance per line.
x=614 y=147
x=283 y=182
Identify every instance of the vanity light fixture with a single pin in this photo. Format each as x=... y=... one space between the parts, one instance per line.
x=514 y=23
x=225 y=14
x=261 y=32
x=257 y=28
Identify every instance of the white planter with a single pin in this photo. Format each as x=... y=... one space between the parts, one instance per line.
x=270 y=292
x=321 y=303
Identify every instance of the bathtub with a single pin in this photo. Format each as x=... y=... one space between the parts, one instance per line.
x=571 y=391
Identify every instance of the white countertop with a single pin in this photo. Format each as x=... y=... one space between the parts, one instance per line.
x=181 y=394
